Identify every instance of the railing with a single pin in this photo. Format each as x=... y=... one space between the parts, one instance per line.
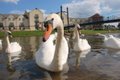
x=101 y=21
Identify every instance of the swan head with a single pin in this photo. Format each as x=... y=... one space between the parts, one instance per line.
x=51 y=22
x=9 y=33
x=77 y=26
x=111 y=36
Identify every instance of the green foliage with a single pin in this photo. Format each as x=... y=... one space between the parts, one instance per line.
x=24 y=33
x=40 y=33
x=1 y=34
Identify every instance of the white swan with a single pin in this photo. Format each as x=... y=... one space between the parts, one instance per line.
x=50 y=56
x=111 y=41
x=13 y=48
x=79 y=43
x=0 y=44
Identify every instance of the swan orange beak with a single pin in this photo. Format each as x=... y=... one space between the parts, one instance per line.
x=47 y=32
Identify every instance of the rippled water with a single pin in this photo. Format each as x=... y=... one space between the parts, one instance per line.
x=98 y=64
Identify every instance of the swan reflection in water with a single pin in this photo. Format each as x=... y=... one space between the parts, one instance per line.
x=58 y=75
x=79 y=56
x=24 y=68
x=101 y=60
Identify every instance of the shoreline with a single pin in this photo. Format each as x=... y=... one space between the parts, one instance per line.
x=40 y=32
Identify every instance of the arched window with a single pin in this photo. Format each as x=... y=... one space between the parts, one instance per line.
x=36 y=18
x=22 y=26
x=11 y=26
x=1 y=25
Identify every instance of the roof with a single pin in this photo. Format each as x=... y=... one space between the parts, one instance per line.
x=7 y=15
x=96 y=15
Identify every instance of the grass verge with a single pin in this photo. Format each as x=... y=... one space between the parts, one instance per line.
x=39 y=33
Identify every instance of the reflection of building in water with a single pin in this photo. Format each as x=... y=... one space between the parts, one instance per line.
x=28 y=20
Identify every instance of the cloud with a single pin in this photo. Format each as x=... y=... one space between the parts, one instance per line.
x=87 y=8
x=17 y=12
x=12 y=1
x=83 y=8
x=110 y=7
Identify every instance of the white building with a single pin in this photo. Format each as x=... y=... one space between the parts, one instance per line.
x=28 y=20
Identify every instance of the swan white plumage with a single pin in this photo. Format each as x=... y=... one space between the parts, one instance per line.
x=50 y=56
x=111 y=41
x=0 y=44
x=79 y=43
x=13 y=48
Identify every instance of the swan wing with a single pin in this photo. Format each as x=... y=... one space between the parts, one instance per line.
x=14 y=47
x=81 y=45
x=64 y=51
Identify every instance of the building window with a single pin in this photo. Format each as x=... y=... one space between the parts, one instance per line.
x=1 y=25
x=36 y=20
x=11 y=26
x=23 y=19
x=19 y=19
x=9 y=19
x=22 y=26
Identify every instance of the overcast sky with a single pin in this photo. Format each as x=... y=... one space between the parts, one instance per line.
x=77 y=8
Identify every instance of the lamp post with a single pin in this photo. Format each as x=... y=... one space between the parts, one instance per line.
x=67 y=16
x=65 y=12
x=61 y=12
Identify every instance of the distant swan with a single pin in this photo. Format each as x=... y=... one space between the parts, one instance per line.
x=111 y=41
x=0 y=44
x=13 y=48
x=79 y=44
x=52 y=56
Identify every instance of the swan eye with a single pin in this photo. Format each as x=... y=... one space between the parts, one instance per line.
x=48 y=22
x=45 y=24
x=9 y=34
x=52 y=19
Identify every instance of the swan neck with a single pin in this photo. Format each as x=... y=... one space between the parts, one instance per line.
x=7 y=39
x=105 y=38
x=56 y=61
x=77 y=34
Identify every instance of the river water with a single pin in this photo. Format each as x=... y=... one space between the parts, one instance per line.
x=99 y=63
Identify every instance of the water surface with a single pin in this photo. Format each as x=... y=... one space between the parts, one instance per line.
x=99 y=63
